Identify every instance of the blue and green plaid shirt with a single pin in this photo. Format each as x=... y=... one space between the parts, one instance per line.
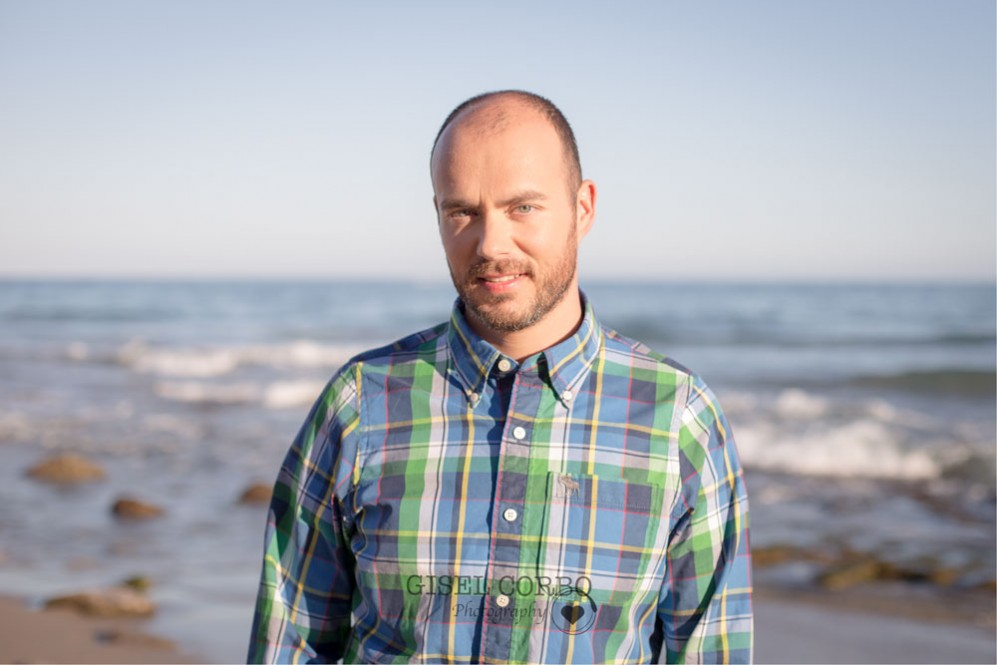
x=444 y=503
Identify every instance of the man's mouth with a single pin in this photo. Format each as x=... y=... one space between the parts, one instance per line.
x=500 y=285
x=501 y=279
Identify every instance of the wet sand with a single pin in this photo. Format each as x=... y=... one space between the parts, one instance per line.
x=874 y=624
x=803 y=633
x=60 y=636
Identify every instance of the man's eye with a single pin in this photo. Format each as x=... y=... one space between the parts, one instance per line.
x=460 y=214
x=524 y=209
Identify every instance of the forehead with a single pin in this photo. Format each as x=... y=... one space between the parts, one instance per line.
x=504 y=143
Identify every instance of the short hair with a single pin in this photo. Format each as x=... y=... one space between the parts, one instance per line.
x=542 y=105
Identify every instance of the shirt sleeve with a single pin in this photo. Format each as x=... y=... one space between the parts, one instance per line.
x=306 y=588
x=705 y=604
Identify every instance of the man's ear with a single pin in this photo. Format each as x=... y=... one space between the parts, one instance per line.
x=585 y=207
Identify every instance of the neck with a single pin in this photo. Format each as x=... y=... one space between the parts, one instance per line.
x=559 y=324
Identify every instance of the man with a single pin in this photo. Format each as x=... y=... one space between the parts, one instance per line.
x=520 y=484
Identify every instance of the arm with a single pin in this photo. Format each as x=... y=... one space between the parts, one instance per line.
x=306 y=589
x=705 y=605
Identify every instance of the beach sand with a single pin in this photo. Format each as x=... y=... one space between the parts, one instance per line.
x=874 y=624
x=857 y=627
x=801 y=633
x=60 y=636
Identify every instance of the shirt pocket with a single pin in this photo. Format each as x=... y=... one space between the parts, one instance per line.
x=600 y=533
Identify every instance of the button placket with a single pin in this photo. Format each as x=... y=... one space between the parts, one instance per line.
x=505 y=560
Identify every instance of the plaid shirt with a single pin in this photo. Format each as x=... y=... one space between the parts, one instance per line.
x=444 y=503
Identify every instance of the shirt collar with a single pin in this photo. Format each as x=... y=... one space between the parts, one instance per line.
x=565 y=364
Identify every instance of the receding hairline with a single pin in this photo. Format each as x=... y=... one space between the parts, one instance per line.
x=493 y=116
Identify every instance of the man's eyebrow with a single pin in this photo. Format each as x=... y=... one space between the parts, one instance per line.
x=517 y=198
x=455 y=204
x=523 y=197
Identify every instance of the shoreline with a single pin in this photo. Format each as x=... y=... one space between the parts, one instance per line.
x=901 y=601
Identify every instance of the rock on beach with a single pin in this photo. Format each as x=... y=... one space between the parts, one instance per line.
x=256 y=493
x=121 y=637
x=129 y=508
x=67 y=468
x=139 y=583
x=111 y=603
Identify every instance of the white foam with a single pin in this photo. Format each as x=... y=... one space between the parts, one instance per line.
x=209 y=393
x=206 y=362
x=277 y=395
x=78 y=351
x=291 y=394
x=15 y=427
x=800 y=432
x=201 y=363
x=797 y=404
x=860 y=448
x=303 y=354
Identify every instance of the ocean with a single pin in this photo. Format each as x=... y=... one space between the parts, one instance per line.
x=864 y=415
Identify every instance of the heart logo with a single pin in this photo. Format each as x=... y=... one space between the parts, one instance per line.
x=572 y=613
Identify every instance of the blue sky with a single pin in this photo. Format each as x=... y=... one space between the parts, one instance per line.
x=830 y=140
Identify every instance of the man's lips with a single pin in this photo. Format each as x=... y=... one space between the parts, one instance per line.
x=500 y=279
x=497 y=284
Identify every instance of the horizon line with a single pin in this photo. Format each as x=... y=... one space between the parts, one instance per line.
x=434 y=281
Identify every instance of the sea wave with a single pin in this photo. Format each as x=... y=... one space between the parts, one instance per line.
x=204 y=362
x=864 y=448
x=802 y=433
x=203 y=392
x=282 y=394
x=291 y=394
x=734 y=334
x=944 y=381
x=87 y=314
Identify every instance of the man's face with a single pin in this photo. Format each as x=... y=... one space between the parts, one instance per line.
x=508 y=219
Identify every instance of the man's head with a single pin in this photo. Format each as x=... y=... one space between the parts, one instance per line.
x=497 y=116
x=512 y=209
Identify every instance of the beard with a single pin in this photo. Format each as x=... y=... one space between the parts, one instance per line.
x=495 y=311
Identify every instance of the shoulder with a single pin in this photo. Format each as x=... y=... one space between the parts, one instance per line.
x=425 y=346
x=623 y=349
x=690 y=391
x=338 y=410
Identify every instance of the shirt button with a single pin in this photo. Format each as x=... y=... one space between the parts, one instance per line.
x=504 y=365
x=510 y=514
x=567 y=395
x=474 y=397
x=519 y=433
x=502 y=601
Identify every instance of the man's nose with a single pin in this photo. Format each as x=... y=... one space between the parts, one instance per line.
x=495 y=236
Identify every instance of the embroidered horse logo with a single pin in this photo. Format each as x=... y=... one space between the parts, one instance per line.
x=571 y=486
